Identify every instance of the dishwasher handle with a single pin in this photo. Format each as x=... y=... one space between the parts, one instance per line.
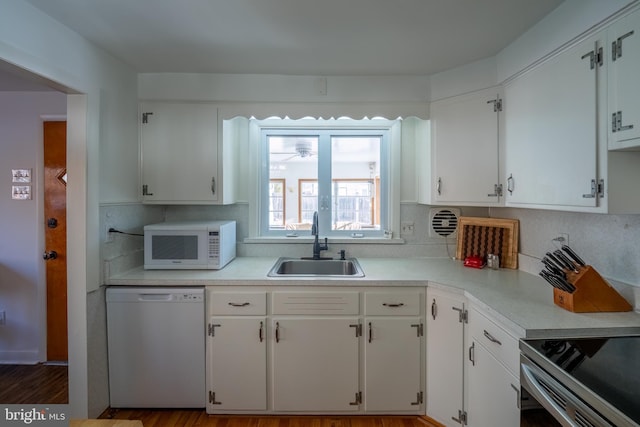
x=155 y=297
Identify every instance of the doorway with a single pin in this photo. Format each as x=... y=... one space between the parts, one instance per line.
x=55 y=215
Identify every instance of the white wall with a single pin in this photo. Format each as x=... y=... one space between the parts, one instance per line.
x=102 y=123
x=22 y=270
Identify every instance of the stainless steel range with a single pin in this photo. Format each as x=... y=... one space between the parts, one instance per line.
x=586 y=381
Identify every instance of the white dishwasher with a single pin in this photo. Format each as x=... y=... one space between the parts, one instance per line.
x=156 y=341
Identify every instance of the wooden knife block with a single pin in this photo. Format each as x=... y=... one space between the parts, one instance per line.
x=593 y=294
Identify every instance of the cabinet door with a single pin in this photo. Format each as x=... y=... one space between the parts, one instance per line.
x=551 y=131
x=392 y=364
x=237 y=364
x=624 y=91
x=465 y=131
x=179 y=152
x=493 y=392
x=315 y=364
x=445 y=349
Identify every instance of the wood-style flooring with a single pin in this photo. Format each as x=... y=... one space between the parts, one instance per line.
x=198 y=418
x=48 y=384
x=34 y=384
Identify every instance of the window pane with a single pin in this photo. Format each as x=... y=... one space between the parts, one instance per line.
x=293 y=161
x=355 y=175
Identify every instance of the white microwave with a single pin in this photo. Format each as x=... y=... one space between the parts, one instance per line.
x=186 y=245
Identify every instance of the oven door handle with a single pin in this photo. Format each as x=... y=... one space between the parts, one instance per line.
x=532 y=385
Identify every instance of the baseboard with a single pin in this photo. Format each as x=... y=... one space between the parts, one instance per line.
x=19 y=357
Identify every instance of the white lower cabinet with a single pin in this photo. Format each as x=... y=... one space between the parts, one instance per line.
x=315 y=364
x=392 y=364
x=315 y=350
x=237 y=364
x=492 y=373
x=493 y=392
x=445 y=349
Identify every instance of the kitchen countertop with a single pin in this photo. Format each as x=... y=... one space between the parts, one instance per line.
x=522 y=301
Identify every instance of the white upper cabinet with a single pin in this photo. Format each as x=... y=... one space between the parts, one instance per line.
x=624 y=90
x=182 y=156
x=551 y=131
x=465 y=152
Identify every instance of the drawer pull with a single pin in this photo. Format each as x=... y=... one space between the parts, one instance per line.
x=490 y=337
x=238 y=304
x=472 y=354
x=401 y=304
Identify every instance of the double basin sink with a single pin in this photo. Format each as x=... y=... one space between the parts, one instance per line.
x=301 y=267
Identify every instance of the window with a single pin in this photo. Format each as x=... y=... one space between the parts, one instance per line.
x=276 y=203
x=341 y=173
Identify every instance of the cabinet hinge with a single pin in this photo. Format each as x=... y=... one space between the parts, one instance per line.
x=419 y=399
x=419 y=329
x=212 y=398
x=145 y=117
x=616 y=123
x=497 y=104
x=463 y=315
x=358 y=399
x=595 y=190
x=616 y=46
x=497 y=191
x=462 y=418
x=358 y=328
x=600 y=57
x=211 y=329
x=601 y=188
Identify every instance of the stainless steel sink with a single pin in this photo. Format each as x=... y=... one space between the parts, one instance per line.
x=286 y=267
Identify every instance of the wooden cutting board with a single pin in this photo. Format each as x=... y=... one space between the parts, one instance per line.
x=482 y=236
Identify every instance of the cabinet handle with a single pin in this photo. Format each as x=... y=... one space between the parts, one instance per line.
x=419 y=399
x=472 y=354
x=439 y=186
x=370 y=332
x=260 y=331
x=213 y=185
x=616 y=46
x=277 y=331
x=145 y=190
x=401 y=304
x=510 y=184
x=434 y=309
x=358 y=400
x=592 y=58
x=517 y=390
x=238 y=304
x=491 y=338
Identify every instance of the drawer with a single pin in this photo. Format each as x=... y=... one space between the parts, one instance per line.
x=500 y=343
x=237 y=303
x=393 y=303
x=330 y=303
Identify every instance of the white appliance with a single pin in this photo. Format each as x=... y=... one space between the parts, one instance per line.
x=156 y=340
x=198 y=245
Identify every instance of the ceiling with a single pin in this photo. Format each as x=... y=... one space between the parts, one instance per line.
x=299 y=37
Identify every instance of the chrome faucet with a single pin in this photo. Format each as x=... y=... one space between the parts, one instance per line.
x=317 y=247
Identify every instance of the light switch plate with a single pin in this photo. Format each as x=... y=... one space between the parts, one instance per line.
x=21 y=192
x=21 y=175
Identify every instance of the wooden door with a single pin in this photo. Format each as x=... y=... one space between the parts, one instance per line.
x=55 y=215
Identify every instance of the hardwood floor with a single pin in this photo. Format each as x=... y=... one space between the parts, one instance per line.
x=198 y=418
x=34 y=384
x=193 y=418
